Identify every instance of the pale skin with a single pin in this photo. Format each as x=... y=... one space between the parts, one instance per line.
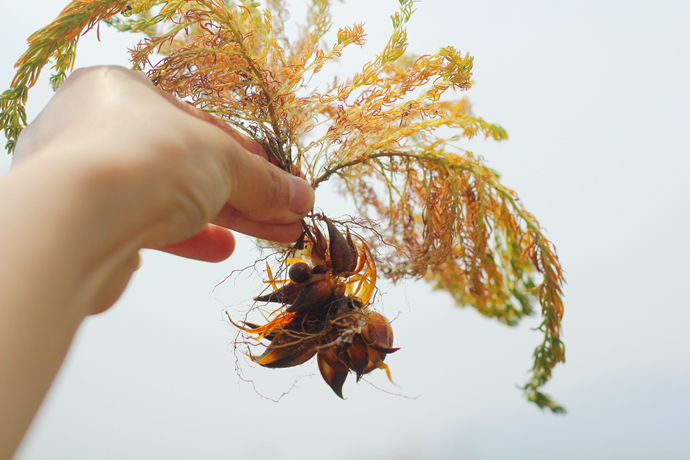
x=113 y=165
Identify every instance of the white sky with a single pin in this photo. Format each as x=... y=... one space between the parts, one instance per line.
x=594 y=96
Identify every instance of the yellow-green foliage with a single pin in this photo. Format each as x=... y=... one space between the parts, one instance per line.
x=446 y=214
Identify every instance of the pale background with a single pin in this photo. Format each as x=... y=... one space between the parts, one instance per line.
x=595 y=97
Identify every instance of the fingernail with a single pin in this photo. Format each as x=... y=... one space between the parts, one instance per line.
x=301 y=195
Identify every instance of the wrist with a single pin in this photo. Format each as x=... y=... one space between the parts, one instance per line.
x=59 y=236
x=52 y=274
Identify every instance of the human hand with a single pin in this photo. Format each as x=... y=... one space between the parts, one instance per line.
x=209 y=178
x=110 y=166
x=160 y=173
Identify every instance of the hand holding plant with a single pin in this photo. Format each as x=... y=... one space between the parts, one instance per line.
x=427 y=208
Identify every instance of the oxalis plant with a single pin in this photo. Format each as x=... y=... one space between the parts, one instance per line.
x=425 y=209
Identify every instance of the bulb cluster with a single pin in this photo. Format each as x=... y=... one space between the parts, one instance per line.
x=326 y=312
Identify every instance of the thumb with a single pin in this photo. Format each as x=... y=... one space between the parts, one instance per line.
x=263 y=192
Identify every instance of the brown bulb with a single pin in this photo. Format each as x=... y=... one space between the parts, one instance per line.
x=300 y=272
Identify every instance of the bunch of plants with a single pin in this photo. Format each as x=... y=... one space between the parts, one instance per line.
x=389 y=135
